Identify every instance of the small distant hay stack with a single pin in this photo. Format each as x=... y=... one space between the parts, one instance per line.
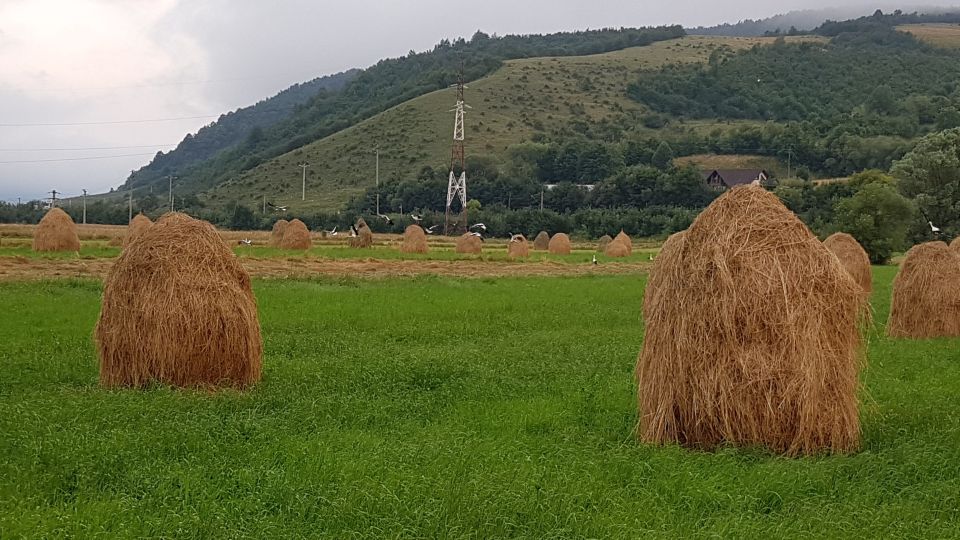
x=542 y=241
x=853 y=258
x=178 y=309
x=616 y=249
x=414 y=240
x=625 y=240
x=56 y=232
x=364 y=238
x=296 y=236
x=276 y=235
x=603 y=243
x=138 y=225
x=518 y=247
x=752 y=335
x=559 y=244
x=469 y=243
x=926 y=293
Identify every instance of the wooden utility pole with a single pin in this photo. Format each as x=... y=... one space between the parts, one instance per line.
x=303 y=194
x=84 y=207
x=170 y=180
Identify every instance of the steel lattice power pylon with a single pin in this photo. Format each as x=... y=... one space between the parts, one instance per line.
x=457 y=184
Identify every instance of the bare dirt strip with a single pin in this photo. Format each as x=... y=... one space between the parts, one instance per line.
x=23 y=268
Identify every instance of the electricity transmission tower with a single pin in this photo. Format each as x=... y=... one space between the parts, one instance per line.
x=457 y=184
x=53 y=198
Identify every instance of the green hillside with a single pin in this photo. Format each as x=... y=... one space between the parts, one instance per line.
x=529 y=99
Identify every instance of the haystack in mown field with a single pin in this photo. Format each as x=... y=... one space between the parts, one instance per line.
x=414 y=240
x=276 y=235
x=56 y=232
x=138 y=225
x=603 y=242
x=955 y=244
x=853 y=258
x=542 y=241
x=178 y=309
x=469 y=243
x=667 y=258
x=625 y=240
x=518 y=247
x=752 y=335
x=926 y=293
x=296 y=236
x=559 y=244
x=616 y=249
x=364 y=237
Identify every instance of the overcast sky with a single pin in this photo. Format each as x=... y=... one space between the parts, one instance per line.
x=158 y=69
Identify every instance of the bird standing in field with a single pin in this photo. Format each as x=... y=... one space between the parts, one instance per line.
x=933 y=228
x=353 y=231
x=595 y=260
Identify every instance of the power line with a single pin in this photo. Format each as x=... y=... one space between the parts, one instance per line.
x=110 y=122
x=74 y=159
x=87 y=148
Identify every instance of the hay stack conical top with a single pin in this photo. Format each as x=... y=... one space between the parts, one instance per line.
x=603 y=242
x=414 y=240
x=759 y=342
x=296 y=235
x=559 y=244
x=276 y=235
x=926 y=293
x=623 y=238
x=469 y=243
x=364 y=237
x=542 y=241
x=138 y=225
x=56 y=232
x=853 y=258
x=955 y=244
x=178 y=309
x=518 y=247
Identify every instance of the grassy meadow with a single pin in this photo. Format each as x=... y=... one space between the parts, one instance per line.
x=447 y=408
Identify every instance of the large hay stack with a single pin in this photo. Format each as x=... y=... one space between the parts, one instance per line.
x=623 y=238
x=559 y=244
x=542 y=241
x=364 y=237
x=667 y=258
x=853 y=258
x=955 y=244
x=752 y=335
x=603 y=243
x=56 y=232
x=469 y=243
x=616 y=249
x=518 y=247
x=296 y=236
x=926 y=293
x=178 y=309
x=138 y=225
x=276 y=235
x=414 y=240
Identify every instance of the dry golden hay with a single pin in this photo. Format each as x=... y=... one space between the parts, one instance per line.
x=542 y=241
x=137 y=226
x=666 y=258
x=853 y=258
x=414 y=240
x=116 y=241
x=469 y=243
x=178 y=309
x=560 y=244
x=926 y=293
x=364 y=238
x=752 y=336
x=276 y=235
x=518 y=247
x=296 y=236
x=603 y=242
x=622 y=237
x=616 y=249
x=955 y=244
x=56 y=232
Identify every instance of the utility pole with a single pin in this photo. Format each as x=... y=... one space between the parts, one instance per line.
x=789 y=161
x=457 y=185
x=170 y=179
x=378 y=180
x=53 y=198
x=84 y=207
x=541 y=198
x=303 y=195
x=18 y=202
x=264 y=204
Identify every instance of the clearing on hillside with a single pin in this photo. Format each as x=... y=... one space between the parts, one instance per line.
x=939 y=34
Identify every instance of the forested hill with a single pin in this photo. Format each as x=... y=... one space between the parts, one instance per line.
x=802 y=20
x=238 y=127
x=391 y=82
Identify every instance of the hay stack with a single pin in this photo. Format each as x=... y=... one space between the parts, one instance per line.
x=178 y=309
x=853 y=258
x=276 y=235
x=542 y=241
x=559 y=244
x=364 y=238
x=955 y=244
x=296 y=236
x=926 y=293
x=518 y=247
x=138 y=225
x=603 y=243
x=56 y=232
x=625 y=240
x=666 y=258
x=616 y=249
x=414 y=240
x=752 y=335
x=468 y=243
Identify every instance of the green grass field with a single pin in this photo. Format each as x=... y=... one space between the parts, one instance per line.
x=447 y=408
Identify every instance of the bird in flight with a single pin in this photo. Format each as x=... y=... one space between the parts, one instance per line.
x=430 y=230
x=416 y=218
x=385 y=218
x=480 y=226
x=333 y=232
